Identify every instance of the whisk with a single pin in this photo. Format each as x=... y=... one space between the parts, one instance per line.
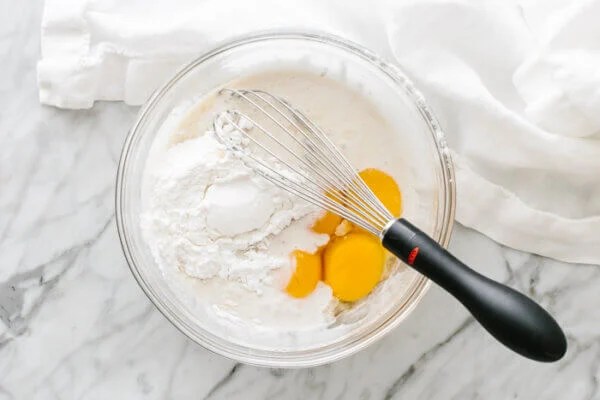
x=284 y=146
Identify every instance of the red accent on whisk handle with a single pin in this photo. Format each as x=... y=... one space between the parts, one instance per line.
x=512 y=318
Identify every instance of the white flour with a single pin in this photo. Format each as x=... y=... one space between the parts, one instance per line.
x=210 y=216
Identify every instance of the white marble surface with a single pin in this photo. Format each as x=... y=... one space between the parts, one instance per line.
x=74 y=324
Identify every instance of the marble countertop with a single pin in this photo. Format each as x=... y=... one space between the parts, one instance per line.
x=75 y=325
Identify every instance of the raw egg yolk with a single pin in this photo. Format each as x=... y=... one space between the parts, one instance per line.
x=307 y=274
x=353 y=265
x=385 y=188
x=327 y=223
x=352 y=262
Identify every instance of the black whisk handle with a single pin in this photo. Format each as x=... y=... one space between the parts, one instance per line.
x=512 y=318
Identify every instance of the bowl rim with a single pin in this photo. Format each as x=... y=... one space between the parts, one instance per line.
x=446 y=166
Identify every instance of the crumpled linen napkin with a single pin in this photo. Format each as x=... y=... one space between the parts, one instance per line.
x=515 y=85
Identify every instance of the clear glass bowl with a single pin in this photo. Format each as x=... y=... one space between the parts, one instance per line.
x=382 y=81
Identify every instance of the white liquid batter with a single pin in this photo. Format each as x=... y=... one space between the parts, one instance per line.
x=209 y=219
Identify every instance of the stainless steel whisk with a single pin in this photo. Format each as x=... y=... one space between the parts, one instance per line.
x=283 y=145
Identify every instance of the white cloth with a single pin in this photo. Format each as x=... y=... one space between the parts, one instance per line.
x=516 y=87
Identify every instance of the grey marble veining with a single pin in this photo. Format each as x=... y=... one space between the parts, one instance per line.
x=74 y=324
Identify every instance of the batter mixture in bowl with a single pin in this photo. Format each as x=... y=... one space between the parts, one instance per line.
x=248 y=255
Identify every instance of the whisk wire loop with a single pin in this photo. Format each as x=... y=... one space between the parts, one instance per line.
x=341 y=168
x=298 y=156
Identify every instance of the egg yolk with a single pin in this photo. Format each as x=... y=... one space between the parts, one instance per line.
x=385 y=188
x=352 y=262
x=353 y=265
x=327 y=223
x=307 y=274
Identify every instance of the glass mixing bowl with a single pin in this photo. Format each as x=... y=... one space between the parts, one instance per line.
x=382 y=83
